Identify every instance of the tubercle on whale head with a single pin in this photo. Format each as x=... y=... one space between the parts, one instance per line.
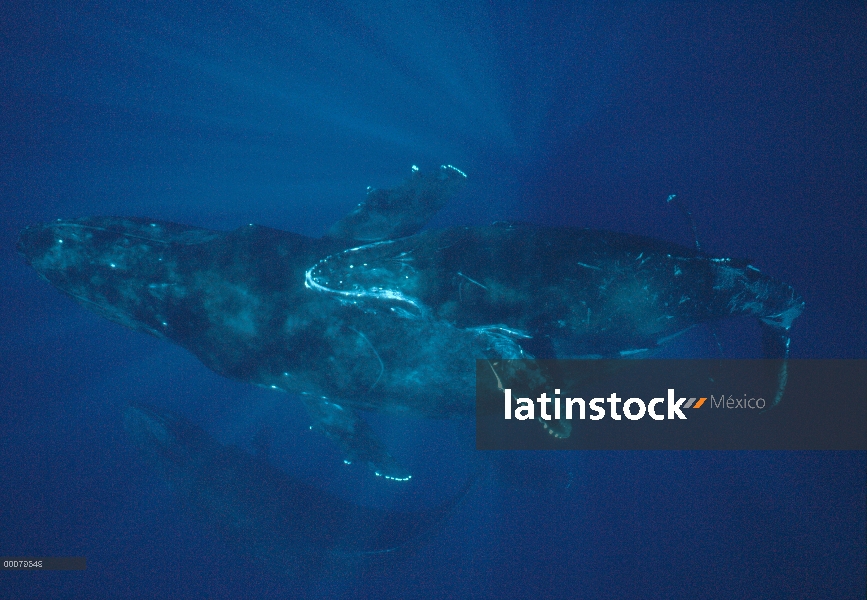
x=110 y=265
x=64 y=254
x=102 y=241
x=62 y=249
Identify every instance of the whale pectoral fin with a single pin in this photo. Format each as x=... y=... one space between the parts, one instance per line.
x=400 y=211
x=356 y=439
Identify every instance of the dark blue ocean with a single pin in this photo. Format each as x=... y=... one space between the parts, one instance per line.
x=223 y=113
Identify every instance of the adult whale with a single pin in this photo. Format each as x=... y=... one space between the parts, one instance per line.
x=377 y=316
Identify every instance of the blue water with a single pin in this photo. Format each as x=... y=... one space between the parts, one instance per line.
x=219 y=114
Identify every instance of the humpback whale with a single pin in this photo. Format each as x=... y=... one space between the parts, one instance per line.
x=285 y=524
x=379 y=315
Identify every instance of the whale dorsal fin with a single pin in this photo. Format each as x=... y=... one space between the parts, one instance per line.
x=400 y=211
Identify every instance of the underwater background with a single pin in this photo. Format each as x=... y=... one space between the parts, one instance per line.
x=219 y=114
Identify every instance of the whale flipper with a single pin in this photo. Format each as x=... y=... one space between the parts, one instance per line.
x=343 y=426
x=400 y=211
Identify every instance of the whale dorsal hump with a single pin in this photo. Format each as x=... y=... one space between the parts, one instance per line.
x=400 y=211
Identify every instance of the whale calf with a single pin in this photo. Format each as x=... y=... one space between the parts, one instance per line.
x=285 y=524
